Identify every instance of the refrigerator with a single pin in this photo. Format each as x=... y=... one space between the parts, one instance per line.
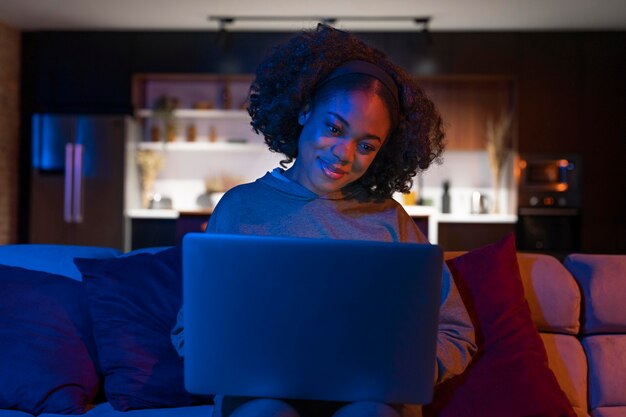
x=77 y=180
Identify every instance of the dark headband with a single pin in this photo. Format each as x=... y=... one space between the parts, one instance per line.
x=366 y=68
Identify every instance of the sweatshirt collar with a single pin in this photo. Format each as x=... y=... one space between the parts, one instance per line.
x=277 y=180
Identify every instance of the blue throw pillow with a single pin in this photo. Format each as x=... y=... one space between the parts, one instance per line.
x=134 y=301
x=47 y=354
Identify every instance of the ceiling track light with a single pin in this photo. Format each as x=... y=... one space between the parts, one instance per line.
x=225 y=21
x=224 y=37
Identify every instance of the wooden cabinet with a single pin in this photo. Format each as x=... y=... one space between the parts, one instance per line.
x=213 y=106
x=466 y=103
x=469 y=236
x=152 y=232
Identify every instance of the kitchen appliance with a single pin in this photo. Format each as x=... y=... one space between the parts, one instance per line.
x=549 y=203
x=549 y=180
x=77 y=181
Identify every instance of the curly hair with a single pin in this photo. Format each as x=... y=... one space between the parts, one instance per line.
x=286 y=83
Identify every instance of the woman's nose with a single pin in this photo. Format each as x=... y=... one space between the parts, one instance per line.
x=344 y=150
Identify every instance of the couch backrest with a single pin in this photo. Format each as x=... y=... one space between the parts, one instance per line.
x=554 y=299
x=602 y=279
x=551 y=292
x=55 y=259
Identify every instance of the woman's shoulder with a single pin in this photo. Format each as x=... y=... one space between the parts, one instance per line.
x=405 y=226
x=389 y=206
x=242 y=192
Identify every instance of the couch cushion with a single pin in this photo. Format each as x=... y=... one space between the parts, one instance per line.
x=551 y=292
x=606 y=355
x=55 y=259
x=509 y=375
x=47 y=354
x=14 y=413
x=105 y=410
x=134 y=301
x=567 y=360
x=609 y=412
x=602 y=279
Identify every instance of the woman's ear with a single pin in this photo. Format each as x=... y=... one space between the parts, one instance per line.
x=303 y=117
x=305 y=113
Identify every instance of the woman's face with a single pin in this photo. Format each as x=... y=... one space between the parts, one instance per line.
x=341 y=136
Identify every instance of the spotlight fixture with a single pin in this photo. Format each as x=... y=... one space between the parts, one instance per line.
x=223 y=39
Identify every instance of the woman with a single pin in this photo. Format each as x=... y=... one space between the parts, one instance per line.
x=359 y=129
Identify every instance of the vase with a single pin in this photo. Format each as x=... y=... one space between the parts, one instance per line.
x=495 y=206
x=147 y=184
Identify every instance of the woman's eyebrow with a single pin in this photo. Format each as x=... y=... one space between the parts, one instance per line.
x=341 y=119
x=345 y=122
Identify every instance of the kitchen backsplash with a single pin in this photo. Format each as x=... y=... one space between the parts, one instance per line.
x=185 y=174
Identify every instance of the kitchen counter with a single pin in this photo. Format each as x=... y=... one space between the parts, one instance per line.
x=152 y=213
x=413 y=211
x=429 y=212
x=477 y=218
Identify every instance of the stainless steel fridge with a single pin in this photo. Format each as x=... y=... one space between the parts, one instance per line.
x=77 y=181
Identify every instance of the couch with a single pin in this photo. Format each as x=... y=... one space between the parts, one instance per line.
x=577 y=306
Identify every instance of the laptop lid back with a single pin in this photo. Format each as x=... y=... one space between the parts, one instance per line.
x=310 y=318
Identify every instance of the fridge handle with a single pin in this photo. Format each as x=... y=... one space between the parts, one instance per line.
x=78 y=184
x=67 y=189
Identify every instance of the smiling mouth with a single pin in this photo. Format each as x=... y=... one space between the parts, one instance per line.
x=331 y=171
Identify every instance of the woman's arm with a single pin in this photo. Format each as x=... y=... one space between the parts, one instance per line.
x=456 y=341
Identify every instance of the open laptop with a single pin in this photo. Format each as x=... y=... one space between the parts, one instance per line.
x=312 y=319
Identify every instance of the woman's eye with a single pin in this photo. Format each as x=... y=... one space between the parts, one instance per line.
x=366 y=147
x=334 y=129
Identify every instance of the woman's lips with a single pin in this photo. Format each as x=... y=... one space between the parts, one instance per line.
x=331 y=171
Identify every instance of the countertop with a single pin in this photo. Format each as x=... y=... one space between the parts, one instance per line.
x=429 y=212
x=413 y=211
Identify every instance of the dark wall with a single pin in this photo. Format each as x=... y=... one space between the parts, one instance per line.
x=571 y=89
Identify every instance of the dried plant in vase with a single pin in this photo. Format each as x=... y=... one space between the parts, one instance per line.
x=498 y=152
x=149 y=163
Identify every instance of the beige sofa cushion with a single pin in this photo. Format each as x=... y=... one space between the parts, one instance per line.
x=609 y=412
x=551 y=292
x=566 y=359
x=606 y=356
x=602 y=279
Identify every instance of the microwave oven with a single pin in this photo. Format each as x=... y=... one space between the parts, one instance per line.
x=549 y=180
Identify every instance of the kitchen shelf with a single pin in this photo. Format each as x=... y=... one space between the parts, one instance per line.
x=200 y=114
x=202 y=146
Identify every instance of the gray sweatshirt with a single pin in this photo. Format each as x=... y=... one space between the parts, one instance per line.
x=273 y=205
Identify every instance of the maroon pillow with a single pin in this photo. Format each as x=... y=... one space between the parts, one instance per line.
x=509 y=375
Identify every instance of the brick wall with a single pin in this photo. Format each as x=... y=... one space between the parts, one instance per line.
x=9 y=131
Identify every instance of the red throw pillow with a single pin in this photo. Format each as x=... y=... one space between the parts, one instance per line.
x=509 y=375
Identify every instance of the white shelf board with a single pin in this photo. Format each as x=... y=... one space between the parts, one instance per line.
x=201 y=114
x=202 y=146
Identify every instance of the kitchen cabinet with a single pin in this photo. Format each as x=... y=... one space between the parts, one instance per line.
x=467 y=102
x=152 y=232
x=215 y=105
x=465 y=236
